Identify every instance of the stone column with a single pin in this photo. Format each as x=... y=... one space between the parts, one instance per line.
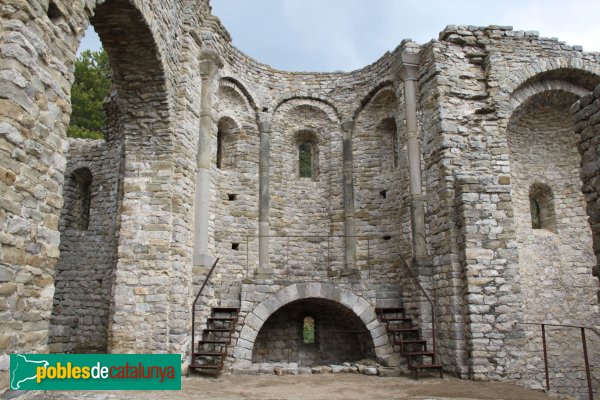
x=210 y=62
x=408 y=68
x=264 y=163
x=348 y=175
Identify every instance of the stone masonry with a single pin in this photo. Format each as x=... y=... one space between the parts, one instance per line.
x=471 y=159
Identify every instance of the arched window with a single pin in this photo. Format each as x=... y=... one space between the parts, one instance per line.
x=388 y=137
x=308 y=161
x=219 y=147
x=308 y=330
x=305 y=167
x=227 y=140
x=541 y=205
x=82 y=180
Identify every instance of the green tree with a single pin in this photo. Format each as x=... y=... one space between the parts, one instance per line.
x=91 y=86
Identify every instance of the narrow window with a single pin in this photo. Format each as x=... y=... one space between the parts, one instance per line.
x=219 y=147
x=308 y=330
x=82 y=178
x=305 y=169
x=541 y=205
x=535 y=214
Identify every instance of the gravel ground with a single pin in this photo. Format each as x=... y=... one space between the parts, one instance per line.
x=309 y=387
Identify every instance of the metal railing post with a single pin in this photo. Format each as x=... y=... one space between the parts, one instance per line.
x=194 y=307
x=545 y=357
x=583 y=343
x=587 y=364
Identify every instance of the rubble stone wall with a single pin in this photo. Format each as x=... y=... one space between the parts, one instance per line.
x=489 y=102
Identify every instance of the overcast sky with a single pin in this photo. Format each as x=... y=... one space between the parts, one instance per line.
x=330 y=35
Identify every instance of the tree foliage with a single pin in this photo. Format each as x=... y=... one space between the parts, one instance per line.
x=91 y=86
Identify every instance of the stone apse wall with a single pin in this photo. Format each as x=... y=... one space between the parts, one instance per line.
x=202 y=154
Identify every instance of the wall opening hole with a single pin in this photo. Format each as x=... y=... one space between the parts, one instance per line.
x=541 y=207
x=54 y=12
x=386 y=237
x=265 y=109
x=235 y=246
x=232 y=196
x=383 y=193
x=308 y=330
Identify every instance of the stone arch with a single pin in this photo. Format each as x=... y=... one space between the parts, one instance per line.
x=242 y=92
x=530 y=89
x=561 y=68
x=286 y=105
x=382 y=86
x=255 y=319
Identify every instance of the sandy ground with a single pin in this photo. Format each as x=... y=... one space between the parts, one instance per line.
x=309 y=387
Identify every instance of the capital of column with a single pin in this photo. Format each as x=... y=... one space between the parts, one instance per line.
x=347 y=125
x=264 y=123
x=408 y=66
x=210 y=62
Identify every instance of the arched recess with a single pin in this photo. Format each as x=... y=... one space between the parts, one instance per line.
x=305 y=203
x=255 y=320
x=381 y=185
x=235 y=149
x=555 y=253
x=227 y=150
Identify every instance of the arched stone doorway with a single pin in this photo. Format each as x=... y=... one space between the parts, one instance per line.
x=92 y=304
x=305 y=297
x=312 y=332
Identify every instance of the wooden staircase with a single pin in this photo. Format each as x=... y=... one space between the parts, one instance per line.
x=209 y=357
x=406 y=337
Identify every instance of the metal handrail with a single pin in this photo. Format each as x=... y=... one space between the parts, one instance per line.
x=194 y=307
x=433 y=324
x=583 y=343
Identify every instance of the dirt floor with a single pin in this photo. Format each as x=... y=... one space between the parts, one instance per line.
x=308 y=387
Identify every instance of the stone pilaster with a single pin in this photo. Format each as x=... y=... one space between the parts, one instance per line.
x=264 y=164
x=210 y=62
x=408 y=69
x=348 y=175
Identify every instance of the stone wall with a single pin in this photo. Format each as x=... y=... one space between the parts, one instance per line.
x=484 y=94
x=38 y=49
x=587 y=118
x=481 y=76
x=84 y=273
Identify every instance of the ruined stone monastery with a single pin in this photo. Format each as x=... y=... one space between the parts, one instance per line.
x=467 y=166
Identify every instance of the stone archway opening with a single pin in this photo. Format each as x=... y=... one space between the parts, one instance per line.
x=136 y=122
x=312 y=332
